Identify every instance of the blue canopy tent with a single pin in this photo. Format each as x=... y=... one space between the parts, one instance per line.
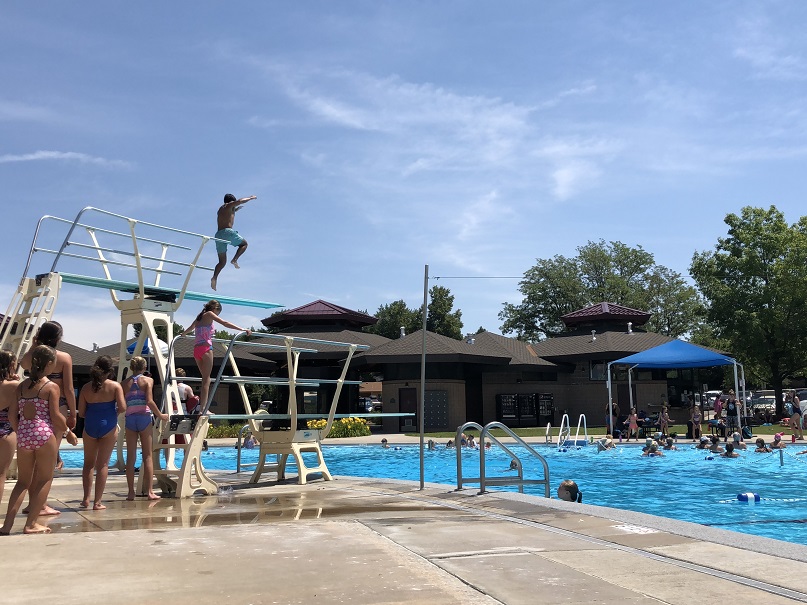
x=673 y=355
x=147 y=347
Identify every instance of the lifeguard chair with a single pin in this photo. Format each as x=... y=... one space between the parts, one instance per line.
x=282 y=443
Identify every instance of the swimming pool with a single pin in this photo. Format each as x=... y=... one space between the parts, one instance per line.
x=681 y=485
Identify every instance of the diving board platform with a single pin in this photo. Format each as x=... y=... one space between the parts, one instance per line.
x=169 y=294
x=291 y=441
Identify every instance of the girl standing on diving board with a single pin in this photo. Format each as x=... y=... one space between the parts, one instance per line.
x=202 y=327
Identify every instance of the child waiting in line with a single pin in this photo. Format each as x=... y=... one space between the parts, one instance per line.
x=39 y=424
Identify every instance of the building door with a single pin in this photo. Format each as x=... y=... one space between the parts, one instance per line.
x=408 y=403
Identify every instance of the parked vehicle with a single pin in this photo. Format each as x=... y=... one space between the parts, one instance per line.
x=709 y=399
x=763 y=401
x=369 y=405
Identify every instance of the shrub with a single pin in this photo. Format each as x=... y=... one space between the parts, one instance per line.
x=343 y=427
x=221 y=430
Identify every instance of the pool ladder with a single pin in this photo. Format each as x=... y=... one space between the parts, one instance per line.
x=566 y=431
x=483 y=480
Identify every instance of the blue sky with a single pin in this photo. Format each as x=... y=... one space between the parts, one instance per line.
x=382 y=136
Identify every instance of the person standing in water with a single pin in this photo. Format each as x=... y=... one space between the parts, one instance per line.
x=225 y=218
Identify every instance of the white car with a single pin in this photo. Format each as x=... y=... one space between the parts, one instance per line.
x=709 y=399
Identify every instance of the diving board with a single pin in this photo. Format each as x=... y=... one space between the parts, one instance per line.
x=170 y=294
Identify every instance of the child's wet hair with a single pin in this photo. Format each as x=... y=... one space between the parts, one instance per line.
x=8 y=363
x=41 y=356
x=137 y=364
x=50 y=333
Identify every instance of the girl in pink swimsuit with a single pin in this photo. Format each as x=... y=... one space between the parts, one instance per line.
x=37 y=420
x=202 y=327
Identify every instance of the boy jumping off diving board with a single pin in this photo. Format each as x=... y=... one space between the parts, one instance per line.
x=225 y=217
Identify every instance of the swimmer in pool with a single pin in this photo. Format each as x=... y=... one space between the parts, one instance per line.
x=568 y=491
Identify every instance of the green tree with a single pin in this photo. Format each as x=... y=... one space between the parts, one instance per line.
x=551 y=288
x=440 y=318
x=601 y=272
x=676 y=306
x=394 y=316
x=756 y=288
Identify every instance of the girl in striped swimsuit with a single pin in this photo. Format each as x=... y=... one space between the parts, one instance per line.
x=139 y=408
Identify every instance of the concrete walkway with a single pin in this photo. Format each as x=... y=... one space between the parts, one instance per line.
x=374 y=541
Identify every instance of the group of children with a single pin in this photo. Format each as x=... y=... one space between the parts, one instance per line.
x=37 y=411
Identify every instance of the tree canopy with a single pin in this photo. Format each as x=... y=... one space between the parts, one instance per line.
x=601 y=272
x=441 y=319
x=756 y=287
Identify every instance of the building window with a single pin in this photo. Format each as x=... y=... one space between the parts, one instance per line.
x=599 y=370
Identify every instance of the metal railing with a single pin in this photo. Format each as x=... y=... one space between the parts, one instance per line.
x=483 y=480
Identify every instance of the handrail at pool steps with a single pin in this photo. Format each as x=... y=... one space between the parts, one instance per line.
x=566 y=432
x=483 y=480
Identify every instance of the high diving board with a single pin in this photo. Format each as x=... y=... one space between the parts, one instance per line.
x=159 y=291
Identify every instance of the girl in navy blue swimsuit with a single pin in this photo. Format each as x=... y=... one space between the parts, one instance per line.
x=99 y=403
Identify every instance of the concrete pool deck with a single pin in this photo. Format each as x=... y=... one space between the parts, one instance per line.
x=376 y=541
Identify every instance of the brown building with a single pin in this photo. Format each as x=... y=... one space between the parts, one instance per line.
x=490 y=377
x=483 y=378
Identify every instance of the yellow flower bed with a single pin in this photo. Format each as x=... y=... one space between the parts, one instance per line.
x=343 y=427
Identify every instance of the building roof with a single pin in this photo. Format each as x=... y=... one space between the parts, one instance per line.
x=606 y=312
x=521 y=353
x=409 y=348
x=319 y=312
x=83 y=359
x=605 y=345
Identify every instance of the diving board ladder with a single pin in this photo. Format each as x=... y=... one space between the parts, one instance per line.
x=31 y=306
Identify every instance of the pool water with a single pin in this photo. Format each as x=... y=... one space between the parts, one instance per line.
x=683 y=484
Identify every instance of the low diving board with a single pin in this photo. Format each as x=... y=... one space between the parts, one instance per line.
x=170 y=294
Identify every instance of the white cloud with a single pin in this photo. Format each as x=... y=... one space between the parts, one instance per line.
x=571 y=177
x=480 y=216
x=71 y=156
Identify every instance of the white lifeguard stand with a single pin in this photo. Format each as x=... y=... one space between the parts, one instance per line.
x=107 y=242
x=291 y=441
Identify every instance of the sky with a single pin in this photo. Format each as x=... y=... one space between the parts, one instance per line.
x=380 y=137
